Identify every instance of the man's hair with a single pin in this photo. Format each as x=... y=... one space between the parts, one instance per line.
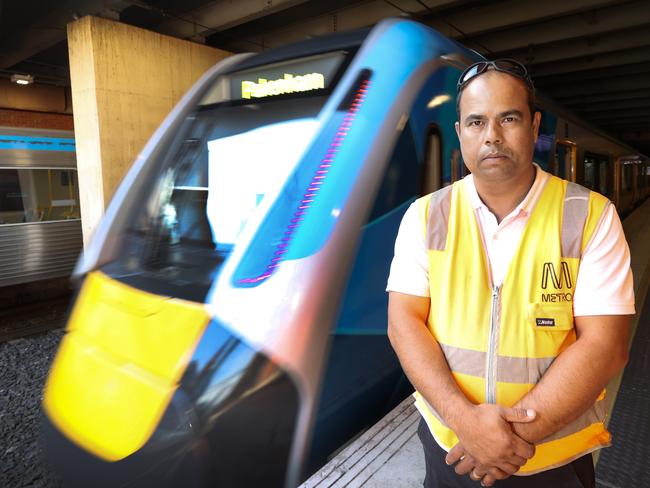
x=530 y=91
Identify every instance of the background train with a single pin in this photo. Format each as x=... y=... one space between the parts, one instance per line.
x=230 y=329
x=40 y=226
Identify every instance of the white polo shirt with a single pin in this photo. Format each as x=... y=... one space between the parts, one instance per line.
x=604 y=284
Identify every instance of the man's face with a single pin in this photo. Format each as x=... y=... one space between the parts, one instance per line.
x=496 y=132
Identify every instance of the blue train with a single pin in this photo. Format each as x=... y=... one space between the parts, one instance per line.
x=230 y=327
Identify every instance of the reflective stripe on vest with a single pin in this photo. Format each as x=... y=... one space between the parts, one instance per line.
x=502 y=359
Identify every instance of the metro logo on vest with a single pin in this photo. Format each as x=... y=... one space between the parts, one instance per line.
x=558 y=282
x=549 y=271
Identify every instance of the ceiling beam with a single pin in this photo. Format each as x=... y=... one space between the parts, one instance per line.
x=490 y=16
x=607 y=60
x=218 y=16
x=611 y=105
x=622 y=84
x=592 y=75
x=641 y=121
x=542 y=31
x=49 y=30
x=637 y=135
x=622 y=113
x=580 y=46
x=270 y=32
x=600 y=97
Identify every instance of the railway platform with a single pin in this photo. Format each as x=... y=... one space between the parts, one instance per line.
x=389 y=454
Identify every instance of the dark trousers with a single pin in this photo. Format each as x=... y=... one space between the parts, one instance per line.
x=578 y=474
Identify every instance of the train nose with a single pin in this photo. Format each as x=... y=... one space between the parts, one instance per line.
x=172 y=456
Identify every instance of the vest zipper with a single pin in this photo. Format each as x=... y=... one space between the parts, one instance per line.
x=490 y=384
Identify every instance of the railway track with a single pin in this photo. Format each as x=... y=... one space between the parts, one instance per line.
x=33 y=318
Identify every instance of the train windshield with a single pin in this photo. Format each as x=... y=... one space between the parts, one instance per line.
x=221 y=173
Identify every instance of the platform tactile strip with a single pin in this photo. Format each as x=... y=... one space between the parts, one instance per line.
x=627 y=463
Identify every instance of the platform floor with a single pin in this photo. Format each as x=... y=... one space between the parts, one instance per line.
x=627 y=462
x=389 y=455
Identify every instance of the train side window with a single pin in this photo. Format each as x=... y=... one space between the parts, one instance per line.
x=432 y=169
x=402 y=177
x=36 y=195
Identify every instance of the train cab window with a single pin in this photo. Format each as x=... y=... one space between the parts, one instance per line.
x=38 y=195
x=402 y=177
x=223 y=167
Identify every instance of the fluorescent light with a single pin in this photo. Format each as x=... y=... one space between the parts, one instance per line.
x=22 y=79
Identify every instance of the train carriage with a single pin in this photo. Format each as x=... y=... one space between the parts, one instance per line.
x=40 y=226
x=230 y=326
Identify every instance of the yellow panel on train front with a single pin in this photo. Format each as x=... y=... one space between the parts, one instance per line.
x=119 y=365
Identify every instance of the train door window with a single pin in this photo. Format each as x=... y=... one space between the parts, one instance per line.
x=564 y=161
x=596 y=170
x=402 y=177
x=591 y=173
x=603 y=180
x=627 y=185
x=432 y=169
x=458 y=168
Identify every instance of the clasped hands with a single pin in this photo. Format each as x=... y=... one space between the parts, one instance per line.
x=488 y=449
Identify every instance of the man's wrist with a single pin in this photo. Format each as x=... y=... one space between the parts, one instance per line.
x=460 y=416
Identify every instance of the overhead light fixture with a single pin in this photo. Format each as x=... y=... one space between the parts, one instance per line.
x=22 y=79
x=438 y=100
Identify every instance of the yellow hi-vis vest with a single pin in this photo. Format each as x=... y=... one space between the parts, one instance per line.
x=499 y=341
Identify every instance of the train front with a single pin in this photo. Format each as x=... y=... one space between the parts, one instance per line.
x=194 y=350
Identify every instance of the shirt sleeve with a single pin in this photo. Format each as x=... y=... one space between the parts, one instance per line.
x=409 y=270
x=604 y=285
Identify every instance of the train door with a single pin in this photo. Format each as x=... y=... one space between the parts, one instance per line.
x=564 y=164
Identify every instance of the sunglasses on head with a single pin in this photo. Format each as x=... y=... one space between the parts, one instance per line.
x=510 y=66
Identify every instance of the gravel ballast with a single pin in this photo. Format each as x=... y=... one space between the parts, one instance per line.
x=24 y=364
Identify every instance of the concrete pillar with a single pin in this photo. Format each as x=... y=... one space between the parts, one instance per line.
x=125 y=80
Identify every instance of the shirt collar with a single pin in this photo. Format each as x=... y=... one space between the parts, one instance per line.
x=526 y=205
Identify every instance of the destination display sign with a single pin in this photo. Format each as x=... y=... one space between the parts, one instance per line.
x=295 y=76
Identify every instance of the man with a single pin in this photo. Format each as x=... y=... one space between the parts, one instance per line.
x=510 y=296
